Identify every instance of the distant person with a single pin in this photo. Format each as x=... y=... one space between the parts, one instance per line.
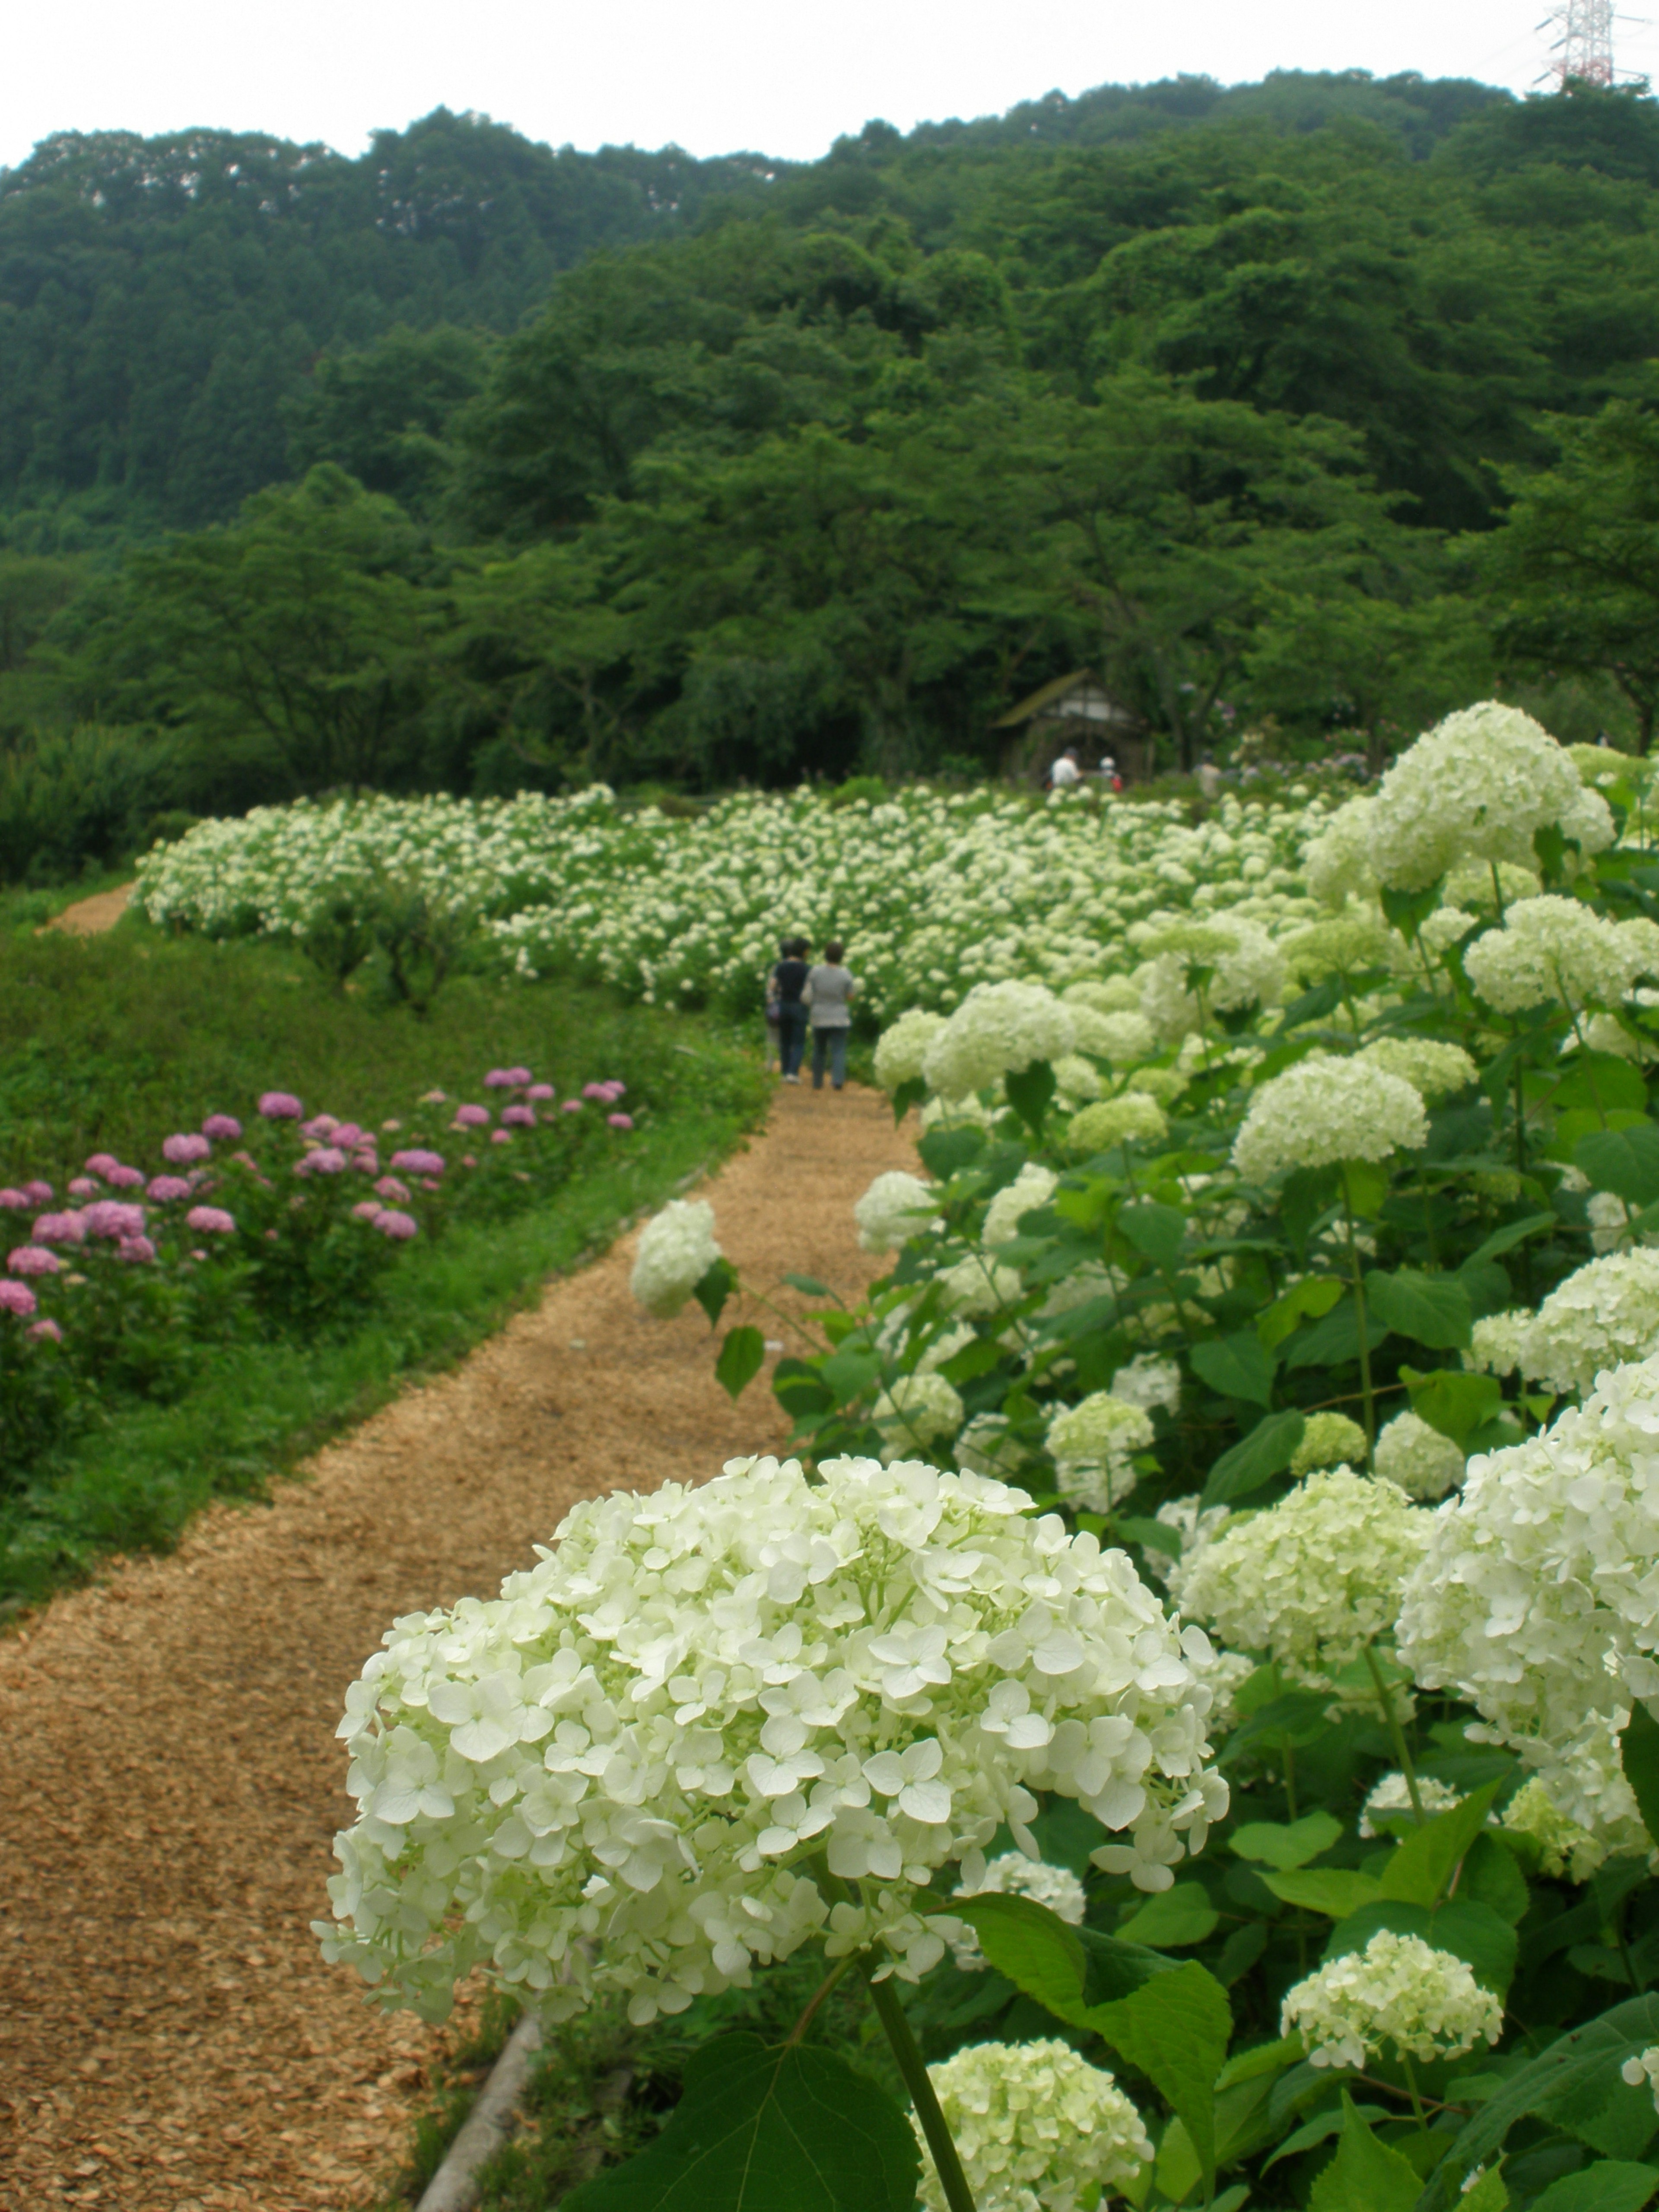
x=1066 y=770
x=784 y=987
x=1109 y=778
x=1209 y=777
x=829 y=993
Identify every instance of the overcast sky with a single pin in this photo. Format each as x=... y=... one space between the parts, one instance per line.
x=773 y=76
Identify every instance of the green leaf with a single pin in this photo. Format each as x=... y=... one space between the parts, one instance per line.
x=1065 y=1969
x=1419 y=1871
x=906 y=1096
x=1623 y=1161
x=1452 y=1402
x=1488 y=2195
x=1638 y=1754
x=1173 y=1918
x=1491 y=1877
x=946 y=1151
x=850 y=1375
x=801 y=1389
x=1030 y=1093
x=1176 y=2031
x=1256 y=1459
x=741 y=1357
x=1365 y=2175
x=1329 y=1342
x=1601 y=1080
x=1408 y=910
x=1304 y=1196
x=1337 y=1892
x=718 y=1283
x=1275 y=1845
x=1237 y=1366
x=1431 y=1310
x=1159 y=1232
x=1321 y=2130
x=1612 y=2184
x=1511 y=1234
x=810 y=1287
x=795 y=2129
x=1475 y=1933
x=1367 y=1186
x=1309 y=1300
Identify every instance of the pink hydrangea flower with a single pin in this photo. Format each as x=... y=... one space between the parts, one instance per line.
x=519 y=1117
x=222 y=1125
x=165 y=1189
x=185 y=1147
x=620 y=1121
x=16 y=1201
x=39 y=1193
x=60 y=1229
x=280 y=1106
x=599 y=1091
x=367 y=1163
x=324 y=1160
x=541 y=1092
x=107 y=1217
x=137 y=1249
x=347 y=1136
x=391 y=1223
x=320 y=1125
x=435 y=1098
x=471 y=1117
x=501 y=1136
x=390 y=1188
x=101 y=1163
x=121 y=1178
x=418 y=1162
x=43 y=1332
x=32 y=1260
x=368 y=1209
x=571 y=1106
x=500 y=1078
x=16 y=1298
x=467 y=1160
x=211 y=1221
x=85 y=1186
x=391 y=1125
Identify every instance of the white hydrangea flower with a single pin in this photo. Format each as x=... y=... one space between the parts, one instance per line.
x=1644 y=2069
x=978 y=1287
x=1446 y=926
x=1589 y=823
x=1605 y=1313
x=1610 y=1223
x=1106 y=994
x=1077 y=1082
x=989 y=1446
x=1475 y=788
x=1093 y=1445
x=615 y=1776
x=1495 y=1342
x=1328 y=1440
x=1132 y=1118
x=895 y=1208
x=1538 y=1596
x=1121 y=1038
x=1147 y=1381
x=1423 y=1463
x=1342 y=944
x=917 y=1411
x=1564 y=1847
x=1312 y=1581
x=901 y=1048
x=677 y=1251
x=1037 y=2129
x=1198 y=1526
x=999 y=1028
x=1470 y=884
x=1432 y=1069
x=1223 y=1673
x=1338 y=862
x=1013 y=1874
x=1322 y=1110
x=1551 y=948
x=1399 y=1990
x=1243 y=964
x=1033 y=1187
x=1391 y=1800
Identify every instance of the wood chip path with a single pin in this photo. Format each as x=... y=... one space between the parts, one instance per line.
x=170 y=2040
x=88 y=916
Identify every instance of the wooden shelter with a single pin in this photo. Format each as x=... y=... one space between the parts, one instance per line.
x=1074 y=710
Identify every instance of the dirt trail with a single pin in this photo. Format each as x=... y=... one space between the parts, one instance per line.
x=170 y=2040
x=87 y=916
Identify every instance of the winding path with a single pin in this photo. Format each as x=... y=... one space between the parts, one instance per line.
x=170 y=2040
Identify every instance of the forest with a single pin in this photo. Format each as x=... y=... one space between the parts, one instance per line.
x=1300 y=411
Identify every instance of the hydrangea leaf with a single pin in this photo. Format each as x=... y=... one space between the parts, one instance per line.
x=810 y=1286
x=1623 y=1161
x=715 y=1287
x=1420 y=1870
x=906 y=1096
x=1067 y=1970
x=1321 y=2130
x=1309 y=1300
x=1612 y=2184
x=1334 y=1891
x=1267 y=1451
x=944 y=1151
x=1176 y=2031
x=1365 y=2175
x=1030 y=1093
x=1274 y=1844
x=1237 y=1366
x=1638 y=1754
x=741 y=1357
x=1172 y=1918
x=758 y=2129
x=1452 y=1402
x=1602 y=1080
x=1431 y=1310
x=1157 y=1231
x=1334 y=1340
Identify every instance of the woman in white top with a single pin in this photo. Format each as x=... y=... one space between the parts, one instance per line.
x=829 y=992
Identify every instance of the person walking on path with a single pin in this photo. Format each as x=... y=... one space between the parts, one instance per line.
x=830 y=992
x=788 y=981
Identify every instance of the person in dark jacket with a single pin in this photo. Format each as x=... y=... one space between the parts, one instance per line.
x=786 y=984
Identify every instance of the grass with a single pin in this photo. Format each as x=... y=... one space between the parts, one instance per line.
x=112 y=1042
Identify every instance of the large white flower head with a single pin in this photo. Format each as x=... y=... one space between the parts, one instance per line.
x=1338 y=862
x=895 y=1207
x=1423 y=1463
x=1013 y=1874
x=1390 y=1803
x=1433 y=1070
x=1147 y=1381
x=1551 y=948
x=1239 y=963
x=978 y=1287
x=1033 y=1187
x=1399 y=1990
x=1475 y=788
x=1037 y=2129
x=900 y=1049
x=677 y=1251
x=1093 y=1445
x=1131 y=1118
x=1312 y=1581
x=1341 y=944
x=616 y=1776
x=1495 y=1342
x=1328 y=1440
x=1538 y=1596
x=1107 y=994
x=1197 y=1526
x=918 y=1412
x=997 y=1029
x=1122 y=1037
x=1322 y=1110
x=1604 y=1314
x=1564 y=1847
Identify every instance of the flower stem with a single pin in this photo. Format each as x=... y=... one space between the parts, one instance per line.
x=818 y=1996
x=890 y=2013
x=1410 y=2084
x=1365 y=1391
x=1391 y=1720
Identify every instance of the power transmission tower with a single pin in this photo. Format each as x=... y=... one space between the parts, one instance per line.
x=1584 y=49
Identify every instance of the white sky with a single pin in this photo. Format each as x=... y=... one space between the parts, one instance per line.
x=775 y=75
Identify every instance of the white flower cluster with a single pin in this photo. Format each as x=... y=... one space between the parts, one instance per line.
x=1562 y=1846
x=1149 y=1382
x=1554 y=948
x=1033 y=1187
x=1538 y=1596
x=1328 y=1440
x=1132 y=1118
x=617 y=1775
x=1391 y=1802
x=895 y=1207
x=1037 y=2129
x=677 y=1249
x=1093 y=1445
x=1604 y=1315
x=997 y=1029
x=1425 y=1464
x=1314 y=1579
x=1399 y=1990
x=916 y=1412
x=1196 y=969
x=1013 y=1874
x=1322 y=1110
x=901 y=1048
x=1643 y=2069
x=1477 y=787
x=1433 y=1070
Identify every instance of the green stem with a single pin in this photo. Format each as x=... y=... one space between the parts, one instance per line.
x=790 y=1320
x=1365 y=1391
x=890 y=2013
x=822 y=1990
x=1391 y=1720
x=1410 y=2084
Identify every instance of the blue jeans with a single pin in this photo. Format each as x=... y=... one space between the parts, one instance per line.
x=830 y=1044
x=791 y=1035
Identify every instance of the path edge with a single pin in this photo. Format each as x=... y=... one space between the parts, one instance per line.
x=487 y=2126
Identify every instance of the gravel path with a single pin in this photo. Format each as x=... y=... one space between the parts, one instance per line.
x=88 y=916
x=169 y=2038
